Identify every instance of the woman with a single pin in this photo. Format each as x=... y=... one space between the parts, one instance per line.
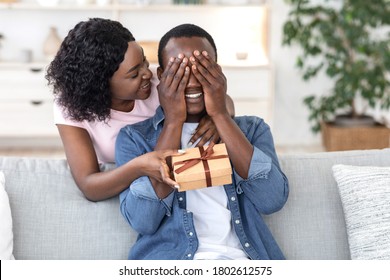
x=102 y=82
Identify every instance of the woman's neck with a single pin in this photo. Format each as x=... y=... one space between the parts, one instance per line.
x=123 y=105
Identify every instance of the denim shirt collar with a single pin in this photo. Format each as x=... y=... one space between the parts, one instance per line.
x=158 y=117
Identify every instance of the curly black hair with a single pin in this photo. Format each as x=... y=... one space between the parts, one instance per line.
x=184 y=30
x=80 y=72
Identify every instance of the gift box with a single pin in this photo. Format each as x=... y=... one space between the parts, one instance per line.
x=201 y=167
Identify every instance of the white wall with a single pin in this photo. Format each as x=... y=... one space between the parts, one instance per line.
x=28 y=29
x=291 y=126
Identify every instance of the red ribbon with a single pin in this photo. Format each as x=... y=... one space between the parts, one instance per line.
x=205 y=155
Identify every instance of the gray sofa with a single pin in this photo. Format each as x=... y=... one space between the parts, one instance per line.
x=52 y=219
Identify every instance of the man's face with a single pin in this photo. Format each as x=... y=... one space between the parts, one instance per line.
x=193 y=91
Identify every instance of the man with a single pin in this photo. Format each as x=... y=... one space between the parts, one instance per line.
x=222 y=222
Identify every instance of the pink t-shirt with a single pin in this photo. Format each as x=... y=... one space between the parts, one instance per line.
x=103 y=134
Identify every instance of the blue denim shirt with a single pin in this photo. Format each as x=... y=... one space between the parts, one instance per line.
x=166 y=229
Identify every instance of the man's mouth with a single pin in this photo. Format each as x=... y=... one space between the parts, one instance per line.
x=193 y=95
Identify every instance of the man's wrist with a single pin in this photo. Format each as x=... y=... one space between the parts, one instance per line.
x=172 y=124
x=221 y=117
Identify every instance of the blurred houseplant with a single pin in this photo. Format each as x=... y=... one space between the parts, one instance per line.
x=1 y=38
x=350 y=41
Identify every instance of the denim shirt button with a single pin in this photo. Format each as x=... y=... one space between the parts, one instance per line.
x=180 y=198
x=190 y=233
x=246 y=245
x=233 y=198
x=189 y=256
x=237 y=221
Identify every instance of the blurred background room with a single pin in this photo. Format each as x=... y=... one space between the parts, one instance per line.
x=259 y=45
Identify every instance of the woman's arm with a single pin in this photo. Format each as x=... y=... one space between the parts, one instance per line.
x=139 y=204
x=97 y=185
x=173 y=81
x=206 y=130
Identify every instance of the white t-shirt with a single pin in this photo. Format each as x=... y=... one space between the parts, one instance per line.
x=103 y=134
x=212 y=218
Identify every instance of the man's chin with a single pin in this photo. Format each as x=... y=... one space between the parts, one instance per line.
x=195 y=114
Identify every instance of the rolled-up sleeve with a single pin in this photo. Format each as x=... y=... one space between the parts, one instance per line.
x=266 y=186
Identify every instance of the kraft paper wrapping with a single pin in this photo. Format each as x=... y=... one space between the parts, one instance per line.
x=202 y=172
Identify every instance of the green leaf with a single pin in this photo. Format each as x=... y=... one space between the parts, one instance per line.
x=340 y=38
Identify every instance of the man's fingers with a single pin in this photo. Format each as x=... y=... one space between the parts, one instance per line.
x=171 y=70
x=182 y=83
x=209 y=66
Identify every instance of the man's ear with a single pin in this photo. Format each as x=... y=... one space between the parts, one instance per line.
x=159 y=72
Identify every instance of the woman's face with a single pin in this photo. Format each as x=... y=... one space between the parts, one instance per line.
x=132 y=80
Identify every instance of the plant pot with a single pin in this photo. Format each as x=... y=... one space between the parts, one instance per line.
x=342 y=138
x=348 y=121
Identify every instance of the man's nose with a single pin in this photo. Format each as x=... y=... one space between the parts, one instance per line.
x=192 y=81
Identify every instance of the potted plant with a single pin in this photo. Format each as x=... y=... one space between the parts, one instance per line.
x=1 y=38
x=349 y=41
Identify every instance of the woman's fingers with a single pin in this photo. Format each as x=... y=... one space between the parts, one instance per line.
x=206 y=131
x=165 y=176
x=165 y=171
x=199 y=132
x=171 y=152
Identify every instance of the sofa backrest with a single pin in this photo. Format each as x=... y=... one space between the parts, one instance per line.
x=53 y=220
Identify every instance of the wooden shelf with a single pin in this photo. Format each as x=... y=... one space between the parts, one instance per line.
x=9 y=65
x=120 y=7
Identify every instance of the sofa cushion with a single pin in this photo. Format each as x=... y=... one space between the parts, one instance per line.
x=365 y=196
x=6 y=235
x=311 y=225
x=52 y=218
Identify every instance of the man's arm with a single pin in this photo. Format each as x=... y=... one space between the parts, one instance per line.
x=266 y=186
x=213 y=81
x=230 y=106
x=254 y=159
x=171 y=93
